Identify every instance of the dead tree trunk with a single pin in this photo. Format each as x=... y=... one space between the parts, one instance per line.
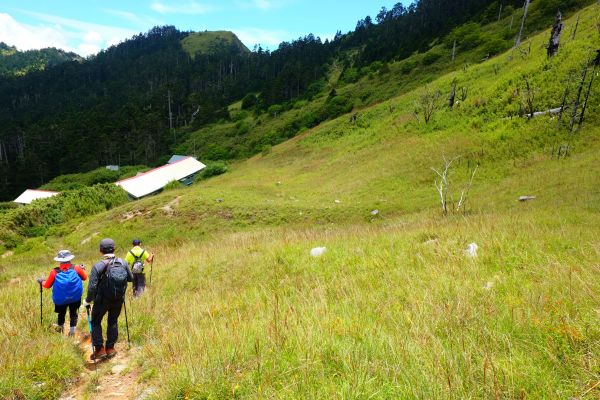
x=529 y=99
x=589 y=89
x=452 y=96
x=578 y=98
x=525 y=10
x=575 y=29
x=555 y=35
x=500 y=13
x=454 y=50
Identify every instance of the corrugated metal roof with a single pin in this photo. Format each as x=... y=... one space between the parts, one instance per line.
x=30 y=195
x=156 y=179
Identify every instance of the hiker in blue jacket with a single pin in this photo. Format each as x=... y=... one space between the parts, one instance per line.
x=67 y=288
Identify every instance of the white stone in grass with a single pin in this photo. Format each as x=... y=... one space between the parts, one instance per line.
x=489 y=285
x=337 y=201
x=472 y=250
x=318 y=251
x=375 y=212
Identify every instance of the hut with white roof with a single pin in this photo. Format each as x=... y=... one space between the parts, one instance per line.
x=183 y=169
x=30 y=195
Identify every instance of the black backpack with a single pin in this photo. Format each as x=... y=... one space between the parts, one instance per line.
x=115 y=280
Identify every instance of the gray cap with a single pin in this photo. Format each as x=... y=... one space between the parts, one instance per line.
x=64 y=256
x=107 y=245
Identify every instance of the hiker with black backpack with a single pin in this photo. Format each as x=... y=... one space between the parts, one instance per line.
x=137 y=257
x=67 y=288
x=107 y=287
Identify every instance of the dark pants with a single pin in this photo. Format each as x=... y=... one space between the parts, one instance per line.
x=139 y=284
x=99 y=310
x=62 y=312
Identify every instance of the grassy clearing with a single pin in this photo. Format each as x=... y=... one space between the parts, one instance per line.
x=394 y=309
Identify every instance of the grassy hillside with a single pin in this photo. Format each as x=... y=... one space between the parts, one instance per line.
x=211 y=42
x=395 y=308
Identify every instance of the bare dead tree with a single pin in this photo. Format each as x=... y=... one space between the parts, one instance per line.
x=500 y=12
x=454 y=50
x=529 y=98
x=554 y=42
x=525 y=11
x=578 y=97
x=442 y=186
x=452 y=95
x=465 y=190
x=595 y=64
x=464 y=91
x=427 y=105
x=575 y=28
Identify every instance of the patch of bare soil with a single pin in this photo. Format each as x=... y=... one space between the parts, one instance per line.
x=115 y=378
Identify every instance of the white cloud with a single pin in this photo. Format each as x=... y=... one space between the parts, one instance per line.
x=143 y=21
x=190 y=8
x=27 y=37
x=266 y=38
x=82 y=37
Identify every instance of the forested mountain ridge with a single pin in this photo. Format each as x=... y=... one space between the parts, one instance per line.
x=135 y=102
x=15 y=62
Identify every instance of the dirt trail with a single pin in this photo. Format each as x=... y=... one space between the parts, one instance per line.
x=117 y=378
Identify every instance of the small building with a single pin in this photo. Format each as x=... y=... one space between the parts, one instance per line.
x=30 y=195
x=150 y=182
x=112 y=167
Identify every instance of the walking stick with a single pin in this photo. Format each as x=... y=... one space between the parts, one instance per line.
x=87 y=309
x=151 y=265
x=126 y=323
x=41 y=306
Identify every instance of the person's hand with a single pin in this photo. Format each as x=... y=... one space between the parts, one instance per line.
x=40 y=280
x=86 y=304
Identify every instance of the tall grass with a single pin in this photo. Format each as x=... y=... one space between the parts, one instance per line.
x=395 y=308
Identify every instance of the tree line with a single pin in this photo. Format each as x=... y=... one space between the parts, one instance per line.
x=128 y=104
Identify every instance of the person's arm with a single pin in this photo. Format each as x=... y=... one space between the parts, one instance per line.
x=97 y=270
x=50 y=281
x=148 y=257
x=129 y=273
x=82 y=274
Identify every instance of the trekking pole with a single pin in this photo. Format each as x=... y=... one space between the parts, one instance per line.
x=126 y=324
x=41 y=306
x=151 y=265
x=87 y=310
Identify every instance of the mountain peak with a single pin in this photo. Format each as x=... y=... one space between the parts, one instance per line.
x=211 y=42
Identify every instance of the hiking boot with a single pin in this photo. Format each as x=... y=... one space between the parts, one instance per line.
x=58 y=328
x=98 y=354
x=72 y=331
x=110 y=352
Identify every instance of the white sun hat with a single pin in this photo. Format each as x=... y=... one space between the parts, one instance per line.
x=64 y=256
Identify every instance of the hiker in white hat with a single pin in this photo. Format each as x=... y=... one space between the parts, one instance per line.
x=67 y=288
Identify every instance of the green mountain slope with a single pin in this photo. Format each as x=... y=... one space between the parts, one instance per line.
x=211 y=43
x=394 y=308
x=16 y=63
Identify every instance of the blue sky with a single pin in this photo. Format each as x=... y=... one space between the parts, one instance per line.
x=86 y=26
